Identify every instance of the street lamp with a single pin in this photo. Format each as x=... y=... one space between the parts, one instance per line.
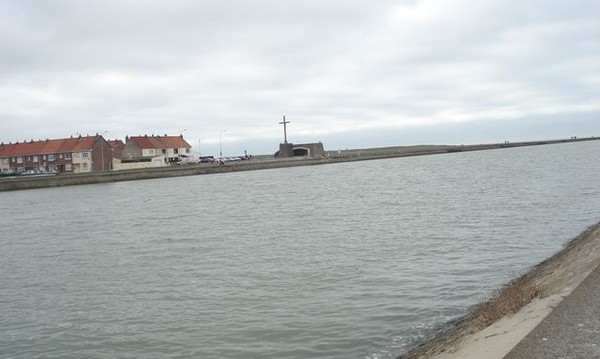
x=221 y=143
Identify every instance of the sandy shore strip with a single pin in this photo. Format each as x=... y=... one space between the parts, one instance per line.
x=496 y=326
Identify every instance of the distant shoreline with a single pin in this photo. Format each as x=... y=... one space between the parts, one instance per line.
x=337 y=156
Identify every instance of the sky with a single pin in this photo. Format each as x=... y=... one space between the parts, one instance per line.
x=348 y=73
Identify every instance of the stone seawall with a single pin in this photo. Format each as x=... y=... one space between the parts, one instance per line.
x=494 y=327
x=20 y=183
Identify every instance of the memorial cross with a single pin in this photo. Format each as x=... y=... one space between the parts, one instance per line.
x=284 y=123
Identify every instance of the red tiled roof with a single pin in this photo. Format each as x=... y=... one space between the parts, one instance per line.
x=160 y=142
x=33 y=148
x=116 y=145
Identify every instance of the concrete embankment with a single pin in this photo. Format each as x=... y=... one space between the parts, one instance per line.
x=31 y=182
x=420 y=150
x=20 y=183
x=572 y=330
x=494 y=328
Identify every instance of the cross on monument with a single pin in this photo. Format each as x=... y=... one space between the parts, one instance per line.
x=284 y=123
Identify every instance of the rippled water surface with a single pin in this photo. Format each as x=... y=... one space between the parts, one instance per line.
x=354 y=260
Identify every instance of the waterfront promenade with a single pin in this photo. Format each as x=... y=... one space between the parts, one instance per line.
x=561 y=320
x=571 y=330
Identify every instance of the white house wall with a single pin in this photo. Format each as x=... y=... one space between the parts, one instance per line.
x=170 y=152
x=82 y=164
x=157 y=161
x=4 y=165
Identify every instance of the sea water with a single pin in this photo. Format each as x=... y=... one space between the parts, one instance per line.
x=349 y=260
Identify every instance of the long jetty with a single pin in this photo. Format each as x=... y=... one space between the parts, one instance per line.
x=60 y=180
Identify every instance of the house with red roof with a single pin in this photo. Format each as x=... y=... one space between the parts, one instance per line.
x=173 y=148
x=80 y=154
x=117 y=147
x=151 y=151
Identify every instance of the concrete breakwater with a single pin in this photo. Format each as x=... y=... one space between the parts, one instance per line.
x=21 y=183
x=419 y=150
x=26 y=182
x=494 y=327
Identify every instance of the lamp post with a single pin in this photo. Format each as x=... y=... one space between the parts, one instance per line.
x=221 y=143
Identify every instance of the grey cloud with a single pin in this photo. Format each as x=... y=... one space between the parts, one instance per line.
x=335 y=66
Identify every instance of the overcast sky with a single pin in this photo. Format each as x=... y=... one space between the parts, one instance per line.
x=349 y=73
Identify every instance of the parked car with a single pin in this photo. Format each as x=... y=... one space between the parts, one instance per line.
x=187 y=161
x=206 y=159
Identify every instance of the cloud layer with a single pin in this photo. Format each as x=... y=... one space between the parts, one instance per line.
x=336 y=69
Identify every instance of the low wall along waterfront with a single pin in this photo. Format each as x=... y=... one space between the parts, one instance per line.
x=20 y=183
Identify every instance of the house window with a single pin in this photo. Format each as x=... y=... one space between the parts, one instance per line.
x=85 y=154
x=67 y=166
x=60 y=156
x=51 y=157
x=35 y=158
x=45 y=157
x=187 y=150
x=151 y=152
x=176 y=150
x=19 y=159
x=85 y=165
x=68 y=156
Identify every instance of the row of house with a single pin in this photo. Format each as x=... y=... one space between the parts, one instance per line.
x=84 y=154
